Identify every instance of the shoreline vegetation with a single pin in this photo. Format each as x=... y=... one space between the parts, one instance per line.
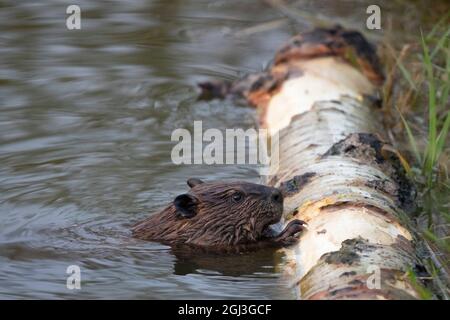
x=417 y=111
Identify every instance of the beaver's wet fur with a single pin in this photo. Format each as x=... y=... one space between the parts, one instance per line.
x=220 y=215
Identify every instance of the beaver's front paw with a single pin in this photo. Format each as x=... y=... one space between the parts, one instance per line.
x=290 y=234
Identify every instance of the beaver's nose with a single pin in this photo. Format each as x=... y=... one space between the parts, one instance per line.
x=276 y=196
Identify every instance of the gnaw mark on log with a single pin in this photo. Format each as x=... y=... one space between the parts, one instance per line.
x=294 y=185
x=257 y=88
x=368 y=148
x=336 y=41
x=250 y=88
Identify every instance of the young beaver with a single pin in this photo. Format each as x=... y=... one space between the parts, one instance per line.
x=221 y=215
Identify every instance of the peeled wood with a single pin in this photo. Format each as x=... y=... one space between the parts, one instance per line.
x=336 y=172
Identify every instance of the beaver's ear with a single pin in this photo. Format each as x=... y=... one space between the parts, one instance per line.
x=186 y=205
x=192 y=182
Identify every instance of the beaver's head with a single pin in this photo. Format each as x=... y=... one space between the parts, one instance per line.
x=215 y=213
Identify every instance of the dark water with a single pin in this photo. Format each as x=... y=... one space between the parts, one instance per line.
x=85 y=125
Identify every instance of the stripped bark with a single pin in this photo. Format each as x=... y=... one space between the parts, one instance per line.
x=321 y=94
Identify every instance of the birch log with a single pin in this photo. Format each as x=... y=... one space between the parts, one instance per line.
x=321 y=95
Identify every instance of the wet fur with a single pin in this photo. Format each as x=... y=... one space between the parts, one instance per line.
x=219 y=222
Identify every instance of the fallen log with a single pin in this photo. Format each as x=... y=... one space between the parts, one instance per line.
x=337 y=173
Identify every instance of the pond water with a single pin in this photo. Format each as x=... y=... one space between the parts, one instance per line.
x=85 y=125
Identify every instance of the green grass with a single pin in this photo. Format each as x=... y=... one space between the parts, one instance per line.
x=427 y=77
x=436 y=80
x=431 y=85
x=424 y=293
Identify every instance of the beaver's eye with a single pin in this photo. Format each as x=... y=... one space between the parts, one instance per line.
x=237 y=196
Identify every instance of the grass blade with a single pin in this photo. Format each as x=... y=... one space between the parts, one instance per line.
x=411 y=138
x=442 y=41
x=430 y=157
x=443 y=135
x=406 y=74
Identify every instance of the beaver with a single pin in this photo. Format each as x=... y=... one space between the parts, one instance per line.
x=221 y=215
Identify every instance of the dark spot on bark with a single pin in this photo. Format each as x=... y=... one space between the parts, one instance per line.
x=348 y=274
x=383 y=185
x=335 y=110
x=356 y=282
x=372 y=141
x=347 y=291
x=359 y=244
x=311 y=145
x=407 y=193
x=342 y=257
x=295 y=184
x=348 y=252
x=349 y=148
x=373 y=100
x=364 y=146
